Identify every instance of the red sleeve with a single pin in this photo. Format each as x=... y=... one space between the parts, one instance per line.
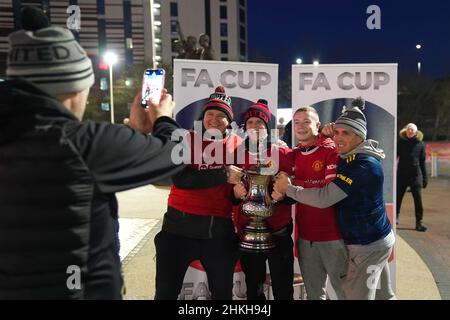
x=332 y=163
x=286 y=160
x=296 y=181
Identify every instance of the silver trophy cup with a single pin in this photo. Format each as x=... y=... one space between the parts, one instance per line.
x=258 y=206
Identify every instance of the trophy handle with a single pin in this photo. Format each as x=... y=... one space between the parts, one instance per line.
x=246 y=183
x=270 y=187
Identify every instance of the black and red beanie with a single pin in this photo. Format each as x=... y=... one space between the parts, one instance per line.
x=219 y=101
x=259 y=110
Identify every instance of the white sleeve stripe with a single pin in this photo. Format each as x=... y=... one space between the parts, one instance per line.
x=330 y=176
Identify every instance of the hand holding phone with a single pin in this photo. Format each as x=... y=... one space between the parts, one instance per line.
x=143 y=119
x=152 y=86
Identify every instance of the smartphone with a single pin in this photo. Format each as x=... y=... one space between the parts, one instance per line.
x=152 y=85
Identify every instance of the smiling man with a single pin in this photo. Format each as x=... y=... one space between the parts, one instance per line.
x=320 y=246
x=357 y=192
x=259 y=145
x=198 y=224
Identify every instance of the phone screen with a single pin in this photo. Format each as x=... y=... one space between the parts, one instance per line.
x=152 y=85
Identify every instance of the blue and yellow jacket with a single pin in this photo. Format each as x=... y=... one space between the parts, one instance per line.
x=362 y=215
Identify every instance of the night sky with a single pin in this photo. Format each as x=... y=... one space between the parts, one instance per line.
x=334 y=31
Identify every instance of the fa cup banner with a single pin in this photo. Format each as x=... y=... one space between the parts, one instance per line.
x=245 y=83
x=328 y=88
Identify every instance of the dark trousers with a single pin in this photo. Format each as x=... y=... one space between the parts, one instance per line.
x=174 y=253
x=416 y=191
x=281 y=265
x=106 y=284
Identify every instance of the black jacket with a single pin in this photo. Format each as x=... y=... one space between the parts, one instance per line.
x=411 y=164
x=58 y=177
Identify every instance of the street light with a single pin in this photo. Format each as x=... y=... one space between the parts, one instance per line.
x=129 y=82
x=316 y=63
x=419 y=64
x=299 y=61
x=111 y=58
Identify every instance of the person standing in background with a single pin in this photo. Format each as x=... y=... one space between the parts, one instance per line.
x=411 y=170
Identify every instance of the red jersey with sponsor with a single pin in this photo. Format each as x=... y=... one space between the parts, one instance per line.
x=282 y=214
x=207 y=155
x=315 y=166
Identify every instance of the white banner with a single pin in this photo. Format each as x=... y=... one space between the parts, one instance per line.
x=328 y=88
x=244 y=82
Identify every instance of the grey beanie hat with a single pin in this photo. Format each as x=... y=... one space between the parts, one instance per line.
x=353 y=119
x=51 y=58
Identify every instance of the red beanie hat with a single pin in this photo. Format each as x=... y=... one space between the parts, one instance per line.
x=258 y=110
x=219 y=101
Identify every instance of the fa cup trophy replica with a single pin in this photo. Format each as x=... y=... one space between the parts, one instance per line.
x=258 y=206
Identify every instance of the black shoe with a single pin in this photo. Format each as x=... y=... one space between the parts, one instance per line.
x=420 y=227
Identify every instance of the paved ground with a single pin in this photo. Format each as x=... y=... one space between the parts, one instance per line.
x=423 y=260
x=433 y=246
x=149 y=203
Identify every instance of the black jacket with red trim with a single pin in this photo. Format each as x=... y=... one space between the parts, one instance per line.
x=199 y=204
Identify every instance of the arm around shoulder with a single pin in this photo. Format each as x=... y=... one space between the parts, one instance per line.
x=121 y=158
x=324 y=197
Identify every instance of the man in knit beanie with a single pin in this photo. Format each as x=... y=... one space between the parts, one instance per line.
x=218 y=100
x=198 y=224
x=357 y=192
x=48 y=56
x=257 y=121
x=353 y=119
x=217 y=112
x=59 y=175
x=258 y=147
x=259 y=110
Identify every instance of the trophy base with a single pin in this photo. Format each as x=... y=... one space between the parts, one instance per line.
x=256 y=240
